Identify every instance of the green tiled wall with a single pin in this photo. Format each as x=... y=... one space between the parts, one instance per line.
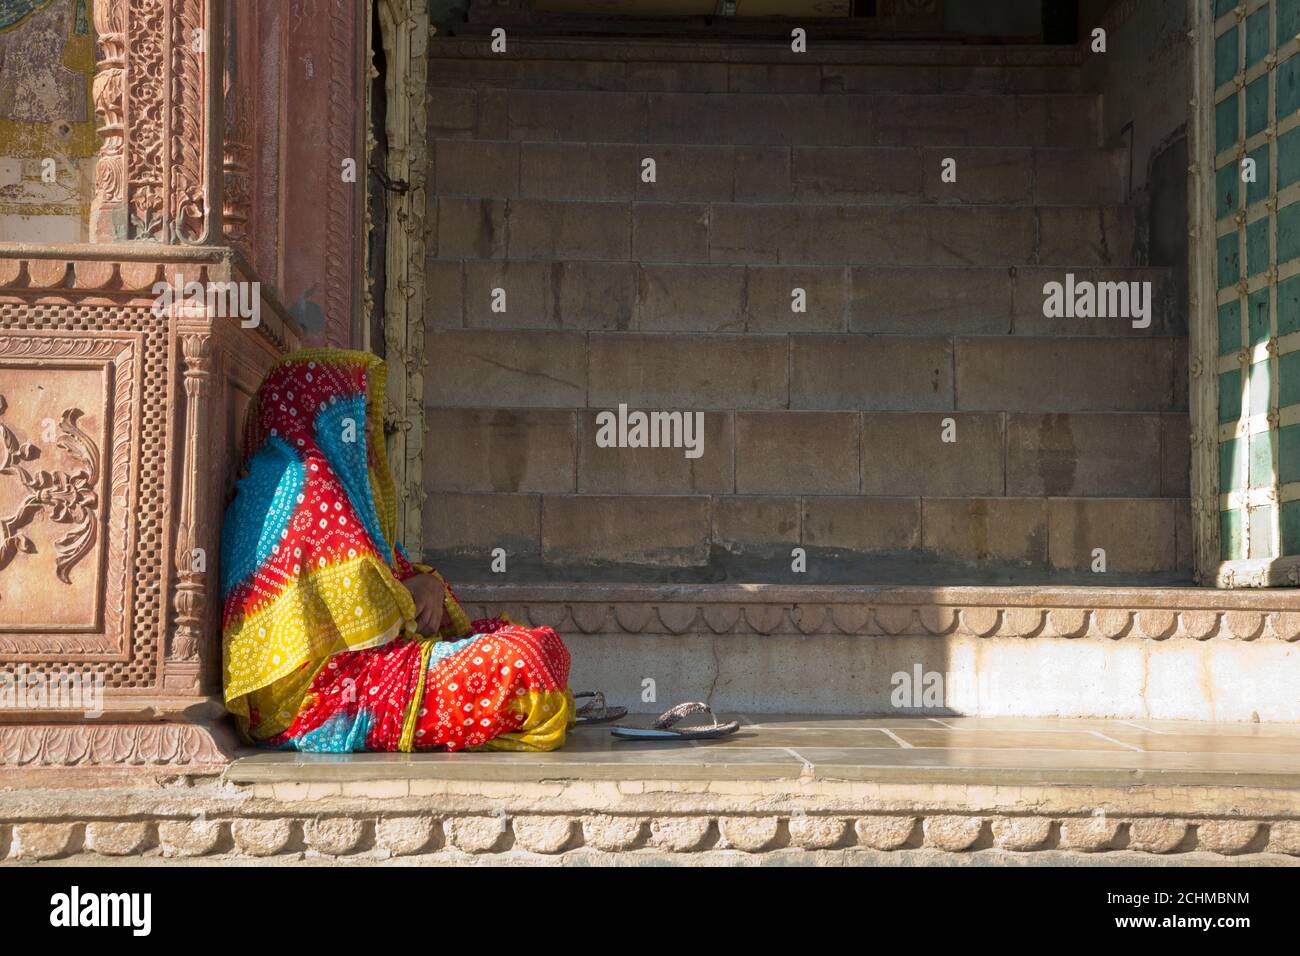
x=1257 y=117
x=1290 y=524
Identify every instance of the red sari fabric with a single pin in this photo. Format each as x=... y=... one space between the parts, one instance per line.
x=488 y=688
x=321 y=647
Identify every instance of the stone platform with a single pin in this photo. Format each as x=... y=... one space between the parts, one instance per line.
x=975 y=751
x=785 y=789
x=1030 y=651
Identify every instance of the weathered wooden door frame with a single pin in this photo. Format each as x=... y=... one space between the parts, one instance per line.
x=404 y=28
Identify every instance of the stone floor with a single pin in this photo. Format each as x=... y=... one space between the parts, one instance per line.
x=972 y=750
x=785 y=789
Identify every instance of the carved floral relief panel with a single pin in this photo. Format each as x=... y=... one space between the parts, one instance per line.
x=51 y=496
x=84 y=435
x=67 y=428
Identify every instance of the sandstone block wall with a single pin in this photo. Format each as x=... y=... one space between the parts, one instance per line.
x=823 y=428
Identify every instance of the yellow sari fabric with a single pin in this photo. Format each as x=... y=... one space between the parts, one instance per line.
x=311 y=571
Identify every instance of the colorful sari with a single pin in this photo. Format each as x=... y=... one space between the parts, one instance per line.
x=319 y=640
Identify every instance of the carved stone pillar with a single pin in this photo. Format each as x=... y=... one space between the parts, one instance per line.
x=120 y=415
x=237 y=150
x=119 y=430
x=157 y=104
x=108 y=216
x=191 y=556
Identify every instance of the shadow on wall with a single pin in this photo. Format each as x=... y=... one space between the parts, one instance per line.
x=1163 y=208
x=308 y=314
x=824 y=566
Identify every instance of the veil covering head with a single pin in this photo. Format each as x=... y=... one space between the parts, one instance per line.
x=309 y=563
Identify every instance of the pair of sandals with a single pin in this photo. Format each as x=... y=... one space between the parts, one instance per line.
x=596 y=711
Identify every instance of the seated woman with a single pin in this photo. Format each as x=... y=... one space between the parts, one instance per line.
x=333 y=640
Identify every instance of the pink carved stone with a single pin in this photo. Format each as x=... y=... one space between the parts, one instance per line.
x=115 y=416
x=150 y=93
x=324 y=80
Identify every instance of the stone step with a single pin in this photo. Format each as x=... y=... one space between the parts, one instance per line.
x=701 y=297
x=808 y=372
x=991 y=454
x=647 y=68
x=776 y=174
x=783 y=233
x=1017 y=751
x=783 y=502
x=1118 y=653
x=786 y=789
x=766 y=119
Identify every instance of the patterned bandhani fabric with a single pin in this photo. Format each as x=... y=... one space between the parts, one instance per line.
x=320 y=645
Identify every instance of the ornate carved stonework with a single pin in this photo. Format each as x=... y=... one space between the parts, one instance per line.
x=46 y=370
x=187 y=199
x=237 y=208
x=150 y=386
x=65 y=498
x=191 y=560
x=120 y=427
x=109 y=201
x=151 y=95
x=237 y=197
x=106 y=745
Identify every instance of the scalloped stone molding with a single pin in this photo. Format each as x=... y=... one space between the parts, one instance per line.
x=846 y=839
x=126 y=275
x=1116 y=653
x=355 y=818
x=1154 y=614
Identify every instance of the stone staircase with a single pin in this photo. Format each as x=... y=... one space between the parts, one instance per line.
x=923 y=303
x=974 y=559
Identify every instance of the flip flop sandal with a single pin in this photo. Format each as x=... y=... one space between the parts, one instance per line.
x=663 y=728
x=595 y=711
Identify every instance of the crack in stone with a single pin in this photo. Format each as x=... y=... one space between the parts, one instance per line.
x=522 y=371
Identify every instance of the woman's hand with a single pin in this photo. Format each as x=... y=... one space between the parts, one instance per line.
x=427 y=592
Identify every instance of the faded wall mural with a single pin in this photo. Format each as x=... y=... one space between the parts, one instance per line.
x=47 y=127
